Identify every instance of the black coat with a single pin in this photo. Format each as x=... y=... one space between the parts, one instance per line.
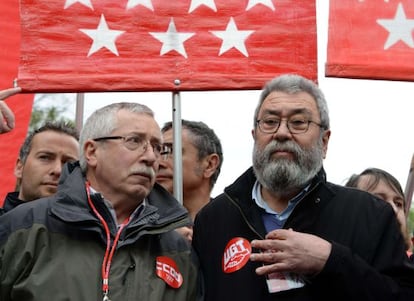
x=367 y=262
x=11 y=201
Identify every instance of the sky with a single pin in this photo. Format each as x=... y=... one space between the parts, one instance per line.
x=371 y=121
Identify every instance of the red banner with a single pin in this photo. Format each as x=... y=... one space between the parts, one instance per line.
x=159 y=45
x=371 y=39
x=21 y=105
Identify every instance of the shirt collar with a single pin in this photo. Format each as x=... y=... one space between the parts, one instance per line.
x=257 y=197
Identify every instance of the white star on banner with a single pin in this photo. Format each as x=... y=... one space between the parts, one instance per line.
x=232 y=37
x=172 y=40
x=84 y=2
x=102 y=37
x=197 y=3
x=146 y=3
x=399 y=28
x=267 y=3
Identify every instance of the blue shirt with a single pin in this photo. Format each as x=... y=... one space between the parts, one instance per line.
x=272 y=219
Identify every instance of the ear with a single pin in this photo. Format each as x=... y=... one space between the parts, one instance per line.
x=254 y=134
x=18 y=169
x=90 y=153
x=212 y=162
x=325 y=140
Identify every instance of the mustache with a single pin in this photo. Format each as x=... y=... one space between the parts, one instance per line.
x=143 y=171
x=287 y=146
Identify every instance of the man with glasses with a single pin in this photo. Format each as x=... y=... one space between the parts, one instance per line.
x=107 y=233
x=282 y=232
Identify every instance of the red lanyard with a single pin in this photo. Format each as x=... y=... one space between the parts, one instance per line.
x=109 y=252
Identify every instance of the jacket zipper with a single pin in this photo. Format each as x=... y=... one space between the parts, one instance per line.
x=242 y=214
x=249 y=224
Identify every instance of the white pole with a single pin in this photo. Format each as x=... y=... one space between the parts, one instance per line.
x=177 y=147
x=80 y=101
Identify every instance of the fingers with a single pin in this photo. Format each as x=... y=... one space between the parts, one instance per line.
x=270 y=268
x=187 y=232
x=272 y=261
x=7 y=118
x=7 y=121
x=271 y=254
x=279 y=234
x=9 y=92
x=274 y=241
x=266 y=257
x=290 y=251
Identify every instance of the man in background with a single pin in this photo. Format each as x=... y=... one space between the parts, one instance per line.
x=40 y=162
x=202 y=158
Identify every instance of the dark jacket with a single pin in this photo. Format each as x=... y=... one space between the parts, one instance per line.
x=53 y=248
x=367 y=261
x=11 y=201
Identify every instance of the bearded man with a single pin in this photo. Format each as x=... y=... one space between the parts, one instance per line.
x=282 y=232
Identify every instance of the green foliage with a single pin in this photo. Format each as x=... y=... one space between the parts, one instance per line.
x=47 y=108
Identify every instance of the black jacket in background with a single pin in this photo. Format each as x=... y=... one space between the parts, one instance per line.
x=11 y=201
x=367 y=262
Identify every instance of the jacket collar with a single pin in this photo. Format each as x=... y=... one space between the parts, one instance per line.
x=12 y=201
x=244 y=184
x=241 y=190
x=71 y=202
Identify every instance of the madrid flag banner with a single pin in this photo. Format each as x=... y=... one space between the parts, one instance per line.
x=159 y=45
x=20 y=104
x=371 y=39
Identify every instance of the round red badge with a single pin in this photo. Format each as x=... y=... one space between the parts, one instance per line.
x=167 y=270
x=236 y=254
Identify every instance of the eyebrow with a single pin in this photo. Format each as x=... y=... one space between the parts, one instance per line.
x=291 y=112
x=44 y=152
x=144 y=136
x=55 y=154
x=69 y=158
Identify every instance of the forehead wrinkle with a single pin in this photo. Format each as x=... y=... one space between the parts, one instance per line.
x=278 y=112
x=299 y=99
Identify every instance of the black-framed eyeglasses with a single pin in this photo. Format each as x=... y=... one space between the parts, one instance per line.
x=295 y=125
x=167 y=151
x=136 y=142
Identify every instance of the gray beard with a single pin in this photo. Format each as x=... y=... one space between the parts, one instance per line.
x=284 y=176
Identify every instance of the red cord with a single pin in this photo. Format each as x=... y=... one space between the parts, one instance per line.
x=109 y=252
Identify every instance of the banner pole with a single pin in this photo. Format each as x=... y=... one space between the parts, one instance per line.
x=80 y=102
x=177 y=147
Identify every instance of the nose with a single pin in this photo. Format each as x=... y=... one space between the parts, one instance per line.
x=56 y=168
x=283 y=131
x=162 y=162
x=148 y=154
